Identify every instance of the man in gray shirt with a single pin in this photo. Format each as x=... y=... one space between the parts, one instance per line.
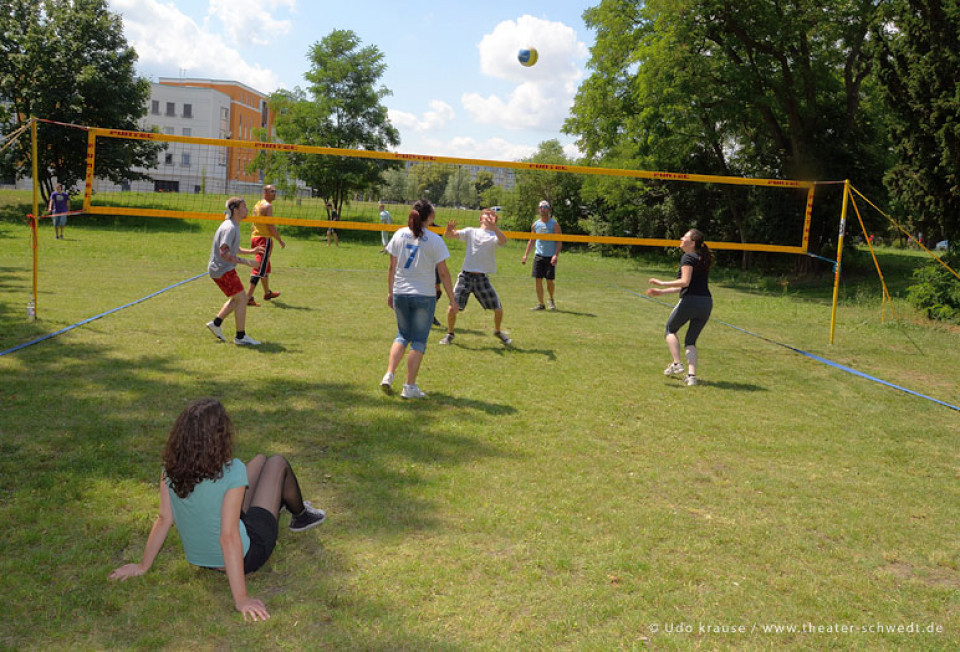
x=222 y=269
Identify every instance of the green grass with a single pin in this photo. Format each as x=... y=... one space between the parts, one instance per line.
x=562 y=493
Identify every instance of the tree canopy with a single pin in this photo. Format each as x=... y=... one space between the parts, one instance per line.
x=342 y=107
x=67 y=61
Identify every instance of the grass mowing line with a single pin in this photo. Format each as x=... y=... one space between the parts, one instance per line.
x=813 y=356
x=94 y=318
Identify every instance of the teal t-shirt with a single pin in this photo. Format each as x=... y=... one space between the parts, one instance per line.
x=198 y=516
x=545 y=247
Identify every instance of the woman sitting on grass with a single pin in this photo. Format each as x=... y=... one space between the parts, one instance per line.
x=226 y=512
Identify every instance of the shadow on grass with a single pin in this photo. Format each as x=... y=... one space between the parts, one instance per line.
x=99 y=432
x=737 y=387
x=512 y=349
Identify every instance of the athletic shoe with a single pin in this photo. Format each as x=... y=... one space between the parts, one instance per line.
x=252 y=302
x=539 y=306
x=447 y=339
x=436 y=322
x=216 y=330
x=246 y=340
x=690 y=380
x=310 y=517
x=269 y=296
x=386 y=385
x=504 y=337
x=553 y=306
x=674 y=369
x=412 y=391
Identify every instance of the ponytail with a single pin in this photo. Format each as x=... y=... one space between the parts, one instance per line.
x=706 y=256
x=422 y=210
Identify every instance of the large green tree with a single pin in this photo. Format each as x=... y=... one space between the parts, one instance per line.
x=743 y=88
x=341 y=107
x=67 y=61
x=920 y=74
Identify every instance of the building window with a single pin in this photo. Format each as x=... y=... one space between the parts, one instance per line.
x=185 y=160
x=187 y=110
x=187 y=131
x=171 y=109
x=155 y=107
x=168 y=159
x=168 y=131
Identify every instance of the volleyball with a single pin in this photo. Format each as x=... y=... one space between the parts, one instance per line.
x=527 y=57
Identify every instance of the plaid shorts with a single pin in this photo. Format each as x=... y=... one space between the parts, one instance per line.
x=478 y=284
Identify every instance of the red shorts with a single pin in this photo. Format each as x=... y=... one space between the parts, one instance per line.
x=230 y=283
x=263 y=260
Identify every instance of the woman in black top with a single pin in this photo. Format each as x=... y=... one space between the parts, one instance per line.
x=695 y=303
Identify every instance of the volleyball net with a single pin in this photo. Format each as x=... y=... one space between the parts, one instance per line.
x=194 y=176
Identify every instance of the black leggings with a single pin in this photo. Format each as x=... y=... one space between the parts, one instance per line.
x=693 y=309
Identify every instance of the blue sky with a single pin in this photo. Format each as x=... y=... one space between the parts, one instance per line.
x=458 y=89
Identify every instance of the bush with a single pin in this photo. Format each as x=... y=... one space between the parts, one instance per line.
x=937 y=291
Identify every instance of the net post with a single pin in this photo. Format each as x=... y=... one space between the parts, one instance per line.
x=91 y=159
x=36 y=210
x=836 y=272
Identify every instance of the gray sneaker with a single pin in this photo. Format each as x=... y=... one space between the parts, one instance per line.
x=539 y=306
x=690 y=380
x=216 y=330
x=246 y=340
x=675 y=369
x=447 y=339
x=386 y=385
x=503 y=337
x=553 y=306
x=412 y=391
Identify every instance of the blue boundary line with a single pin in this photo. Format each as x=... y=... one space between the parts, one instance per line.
x=103 y=314
x=831 y=363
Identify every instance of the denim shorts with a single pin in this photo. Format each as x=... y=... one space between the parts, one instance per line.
x=414 y=318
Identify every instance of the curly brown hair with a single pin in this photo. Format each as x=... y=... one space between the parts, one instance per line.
x=200 y=444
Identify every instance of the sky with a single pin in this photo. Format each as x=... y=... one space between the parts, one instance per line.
x=457 y=87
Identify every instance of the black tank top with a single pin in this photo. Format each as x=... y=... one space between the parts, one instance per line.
x=699 y=286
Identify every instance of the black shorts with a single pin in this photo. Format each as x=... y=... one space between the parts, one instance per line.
x=262 y=528
x=542 y=268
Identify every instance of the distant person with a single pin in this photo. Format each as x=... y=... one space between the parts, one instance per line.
x=695 y=303
x=416 y=255
x=58 y=207
x=226 y=513
x=479 y=262
x=545 y=258
x=385 y=218
x=263 y=235
x=222 y=269
x=333 y=216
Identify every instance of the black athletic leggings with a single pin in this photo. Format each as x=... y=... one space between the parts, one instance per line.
x=693 y=309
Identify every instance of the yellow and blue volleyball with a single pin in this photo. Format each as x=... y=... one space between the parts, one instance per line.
x=527 y=57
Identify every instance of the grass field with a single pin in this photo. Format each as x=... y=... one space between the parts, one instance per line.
x=560 y=493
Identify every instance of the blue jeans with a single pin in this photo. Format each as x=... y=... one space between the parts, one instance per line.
x=414 y=318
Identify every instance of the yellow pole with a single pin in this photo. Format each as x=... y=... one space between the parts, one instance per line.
x=36 y=211
x=836 y=273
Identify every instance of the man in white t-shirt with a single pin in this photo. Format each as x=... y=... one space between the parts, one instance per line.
x=479 y=262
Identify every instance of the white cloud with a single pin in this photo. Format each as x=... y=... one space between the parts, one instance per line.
x=437 y=118
x=164 y=37
x=492 y=149
x=545 y=91
x=251 y=20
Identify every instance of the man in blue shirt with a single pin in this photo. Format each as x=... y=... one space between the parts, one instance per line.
x=545 y=260
x=58 y=207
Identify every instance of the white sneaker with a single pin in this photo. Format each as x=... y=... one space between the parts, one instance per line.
x=503 y=337
x=216 y=330
x=552 y=305
x=412 y=391
x=447 y=339
x=690 y=380
x=386 y=385
x=674 y=369
x=246 y=340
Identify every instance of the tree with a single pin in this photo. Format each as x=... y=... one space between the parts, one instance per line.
x=67 y=61
x=747 y=88
x=341 y=108
x=561 y=189
x=920 y=74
